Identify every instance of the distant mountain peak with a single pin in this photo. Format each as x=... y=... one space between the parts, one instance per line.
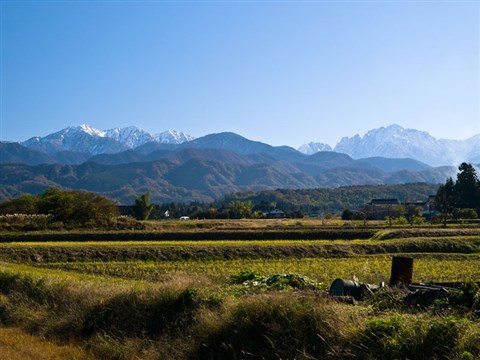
x=231 y=141
x=82 y=139
x=131 y=136
x=172 y=137
x=314 y=147
x=88 y=139
x=89 y=130
x=395 y=130
x=392 y=128
x=395 y=141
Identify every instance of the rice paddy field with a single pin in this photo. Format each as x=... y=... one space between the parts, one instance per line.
x=238 y=290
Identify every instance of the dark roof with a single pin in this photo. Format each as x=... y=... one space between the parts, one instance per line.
x=384 y=202
x=125 y=209
x=419 y=202
x=276 y=211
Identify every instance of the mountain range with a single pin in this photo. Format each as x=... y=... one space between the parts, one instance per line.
x=124 y=162
x=87 y=139
x=396 y=142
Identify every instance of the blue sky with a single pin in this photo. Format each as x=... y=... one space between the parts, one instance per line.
x=281 y=72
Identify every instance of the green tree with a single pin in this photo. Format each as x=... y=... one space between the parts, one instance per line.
x=239 y=209
x=445 y=199
x=347 y=214
x=418 y=220
x=212 y=212
x=26 y=204
x=60 y=204
x=77 y=207
x=467 y=187
x=412 y=212
x=399 y=211
x=465 y=214
x=143 y=207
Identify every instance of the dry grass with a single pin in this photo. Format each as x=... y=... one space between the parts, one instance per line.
x=190 y=317
x=16 y=344
x=184 y=305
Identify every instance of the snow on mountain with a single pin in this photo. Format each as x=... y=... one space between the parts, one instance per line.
x=83 y=138
x=87 y=139
x=172 y=137
x=314 y=147
x=396 y=142
x=130 y=136
x=91 y=130
x=466 y=149
x=389 y=142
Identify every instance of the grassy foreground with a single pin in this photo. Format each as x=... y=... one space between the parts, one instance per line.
x=17 y=344
x=207 y=300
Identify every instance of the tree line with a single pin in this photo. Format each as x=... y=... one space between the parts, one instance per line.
x=61 y=208
x=459 y=198
x=234 y=209
x=454 y=199
x=64 y=208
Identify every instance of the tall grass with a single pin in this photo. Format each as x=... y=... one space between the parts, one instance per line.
x=176 y=300
x=18 y=344
x=189 y=317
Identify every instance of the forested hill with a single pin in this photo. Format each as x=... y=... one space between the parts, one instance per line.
x=336 y=199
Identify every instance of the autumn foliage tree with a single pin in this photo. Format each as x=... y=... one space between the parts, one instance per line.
x=239 y=209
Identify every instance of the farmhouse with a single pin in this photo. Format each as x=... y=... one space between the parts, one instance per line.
x=380 y=208
x=126 y=210
x=383 y=203
x=275 y=214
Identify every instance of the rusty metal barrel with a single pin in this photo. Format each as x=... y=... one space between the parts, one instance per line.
x=341 y=287
x=402 y=270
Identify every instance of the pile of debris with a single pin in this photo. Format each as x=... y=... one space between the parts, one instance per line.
x=413 y=295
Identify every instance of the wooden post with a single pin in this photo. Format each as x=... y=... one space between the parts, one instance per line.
x=402 y=270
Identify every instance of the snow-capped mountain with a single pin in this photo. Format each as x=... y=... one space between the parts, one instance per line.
x=396 y=142
x=389 y=142
x=87 y=139
x=89 y=130
x=314 y=147
x=172 y=137
x=130 y=136
x=83 y=138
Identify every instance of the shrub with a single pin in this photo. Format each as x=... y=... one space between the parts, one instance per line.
x=245 y=275
x=347 y=214
x=274 y=327
x=24 y=222
x=471 y=295
x=401 y=220
x=441 y=338
x=66 y=207
x=26 y=204
x=136 y=314
x=465 y=214
x=411 y=337
x=418 y=220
